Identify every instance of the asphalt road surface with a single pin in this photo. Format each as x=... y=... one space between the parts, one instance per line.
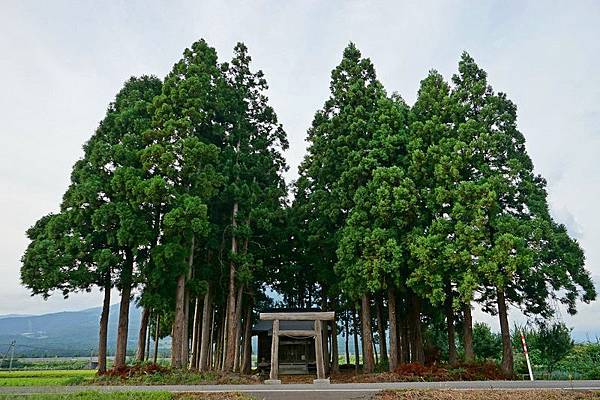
x=316 y=392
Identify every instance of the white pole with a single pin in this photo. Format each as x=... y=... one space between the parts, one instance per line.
x=526 y=355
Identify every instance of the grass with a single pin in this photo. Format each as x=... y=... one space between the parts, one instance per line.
x=45 y=378
x=213 y=396
x=486 y=395
x=94 y=395
x=128 y=377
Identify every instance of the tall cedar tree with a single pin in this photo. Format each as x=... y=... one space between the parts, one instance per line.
x=372 y=253
x=336 y=165
x=253 y=165
x=439 y=249
x=113 y=163
x=181 y=177
x=527 y=258
x=101 y=229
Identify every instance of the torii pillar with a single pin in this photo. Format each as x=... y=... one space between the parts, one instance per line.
x=318 y=317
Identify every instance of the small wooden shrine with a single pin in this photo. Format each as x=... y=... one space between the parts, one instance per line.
x=293 y=341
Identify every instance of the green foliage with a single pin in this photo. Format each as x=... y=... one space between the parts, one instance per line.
x=583 y=361
x=356 y=131
x=554 y=343
x=373 y=246
x=100 y=221
x=487 y=344
x=547 y=343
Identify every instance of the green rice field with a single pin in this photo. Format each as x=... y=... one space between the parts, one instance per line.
x=45 y=378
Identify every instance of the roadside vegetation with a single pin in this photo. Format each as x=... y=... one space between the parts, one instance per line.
x=582 y=362
x=45 y=364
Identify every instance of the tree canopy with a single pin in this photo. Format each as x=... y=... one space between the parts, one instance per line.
x=403 y=218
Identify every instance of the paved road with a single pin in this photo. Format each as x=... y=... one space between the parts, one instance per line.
x=317 y=392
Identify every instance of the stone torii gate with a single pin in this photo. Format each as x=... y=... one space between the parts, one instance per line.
x=318 y=317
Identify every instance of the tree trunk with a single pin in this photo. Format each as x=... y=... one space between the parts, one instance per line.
x=126 y=275
x=405 y=340
x=238 y=328
x=179 y=338
x=148 y=335
x=140 y=354
x=356 y=348
x=247 y=343
x=375 y=354
x=346 y=338
x=103 y=334
x=195 y=334
x=325 y=333
x=507 y=355
x=205 y=341
x=335 y=358
x=468 y=334
x=219 y=351
x=218 y=339
x=198 y=344
x=393 y=361
x=156 y=338
x=231 y=299
x=185 y=340
x=417 y=350
x=213 y=346
x=452 y=354
x=367 y=335
x=383 y=354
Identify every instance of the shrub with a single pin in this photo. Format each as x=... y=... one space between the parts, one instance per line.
x=487 y=345
x=583 y=361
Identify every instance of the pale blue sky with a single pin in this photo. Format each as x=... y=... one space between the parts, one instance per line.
x=61 y=63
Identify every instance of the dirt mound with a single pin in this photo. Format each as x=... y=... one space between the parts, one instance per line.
x=428 y=373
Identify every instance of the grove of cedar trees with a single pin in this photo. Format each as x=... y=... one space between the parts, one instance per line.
x=403 y=218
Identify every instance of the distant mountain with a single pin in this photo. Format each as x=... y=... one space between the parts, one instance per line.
x=66 y=334
x=75 y=333
x=14 y=315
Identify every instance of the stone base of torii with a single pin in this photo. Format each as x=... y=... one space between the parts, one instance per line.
x=318 y=317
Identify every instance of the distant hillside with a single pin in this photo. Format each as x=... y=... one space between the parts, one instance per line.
x=75 y=333
x=66 y=334
x=14 y=315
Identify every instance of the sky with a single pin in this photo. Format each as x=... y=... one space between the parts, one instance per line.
x=62 y=62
